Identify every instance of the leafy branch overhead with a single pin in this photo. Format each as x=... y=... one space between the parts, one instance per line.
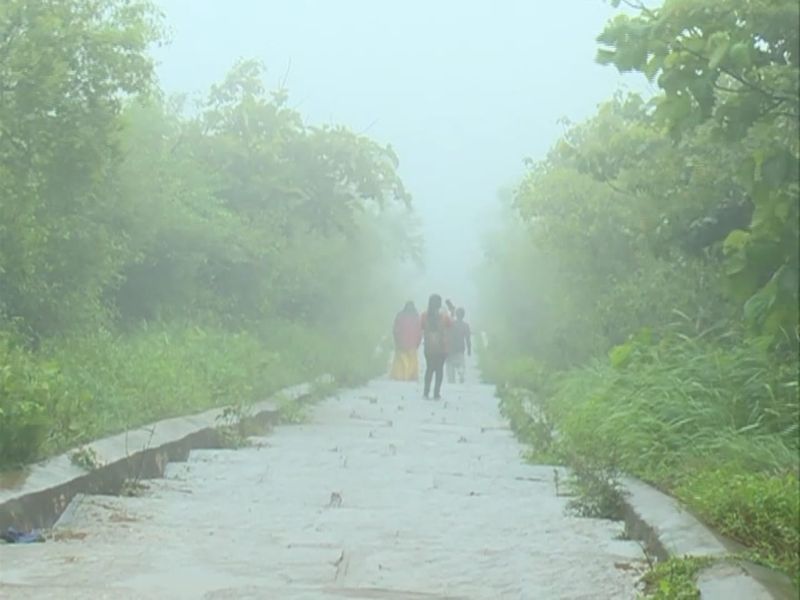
x=733 y=68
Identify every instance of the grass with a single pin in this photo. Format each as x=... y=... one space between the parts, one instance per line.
x=714 y=423
x=675 y=579
x=530 y=424
x=76 y=390
x=759 y=510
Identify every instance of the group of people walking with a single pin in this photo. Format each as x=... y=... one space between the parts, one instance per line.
x=445 y=338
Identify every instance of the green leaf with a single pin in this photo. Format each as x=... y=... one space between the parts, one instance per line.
x=605 y=57
x=620 y=355
x=759 y=305
x=736 y=241
x=777 y=168
x=719 y=44
x=740 y=55
x=652 y=67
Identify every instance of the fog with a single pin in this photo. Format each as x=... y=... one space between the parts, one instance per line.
x=462 y=91
x=214 y=212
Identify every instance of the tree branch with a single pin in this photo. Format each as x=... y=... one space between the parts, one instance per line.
x=736 y=76
x=640 y=6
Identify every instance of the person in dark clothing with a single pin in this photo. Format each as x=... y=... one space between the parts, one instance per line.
x=459 y=342
x=435 y=324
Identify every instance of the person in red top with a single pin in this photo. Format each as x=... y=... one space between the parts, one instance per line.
x=407 y=338
x=435 y=323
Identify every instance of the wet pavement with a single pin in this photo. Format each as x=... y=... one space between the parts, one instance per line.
x=380 y=494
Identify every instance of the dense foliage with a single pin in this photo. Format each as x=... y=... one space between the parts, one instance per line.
x=646 y=283
x=155 y=260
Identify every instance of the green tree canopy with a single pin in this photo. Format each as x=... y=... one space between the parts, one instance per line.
x=733 y=67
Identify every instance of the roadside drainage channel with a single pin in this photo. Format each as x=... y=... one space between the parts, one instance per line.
x=45 y=489
x=667 y=529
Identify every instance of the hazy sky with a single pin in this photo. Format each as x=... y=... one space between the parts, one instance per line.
x=463 y=90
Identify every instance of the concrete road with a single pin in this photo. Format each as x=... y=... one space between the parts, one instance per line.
x=380 y=494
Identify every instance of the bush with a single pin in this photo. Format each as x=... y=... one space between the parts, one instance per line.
x=27 y=391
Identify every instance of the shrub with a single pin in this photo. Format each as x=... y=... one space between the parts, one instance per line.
x=27 y=390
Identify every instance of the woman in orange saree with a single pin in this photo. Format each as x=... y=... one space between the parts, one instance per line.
x=407 y=337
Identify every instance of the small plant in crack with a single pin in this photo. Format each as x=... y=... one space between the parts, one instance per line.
x=291 y=412
x=231 y=427
x=86 y=458
x=675 y=579
x=132 y=488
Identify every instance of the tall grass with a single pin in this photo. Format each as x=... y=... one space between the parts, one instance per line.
x=81 y=388
x=712 y=421
x=683 y=404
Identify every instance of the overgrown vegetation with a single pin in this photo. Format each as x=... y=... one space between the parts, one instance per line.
x=674 y=579
x=648 y=273
x=156 y=260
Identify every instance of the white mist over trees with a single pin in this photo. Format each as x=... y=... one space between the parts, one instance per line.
x=463 y=91
x=203 y=201
x=154 y=260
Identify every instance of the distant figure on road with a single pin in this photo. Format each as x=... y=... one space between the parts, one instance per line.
x=435 y=324
x=459 y=341
x=407 y=337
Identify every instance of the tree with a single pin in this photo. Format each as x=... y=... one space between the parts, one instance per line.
x=245 y=212
x=66 y=67
x=733 y=66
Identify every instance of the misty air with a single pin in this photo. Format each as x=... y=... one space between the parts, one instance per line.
x=484 y=300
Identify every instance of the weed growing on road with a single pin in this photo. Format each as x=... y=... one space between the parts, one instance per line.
x=597 y=492
x=323 y=388
x=86 y=458
x=133 y=488
x=674 y=579
x=594 y=484
x=291 y=411
x=232 y=428
x=530 y=424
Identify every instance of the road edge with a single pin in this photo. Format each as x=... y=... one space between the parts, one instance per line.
x=48 y=487
x=668 y=529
